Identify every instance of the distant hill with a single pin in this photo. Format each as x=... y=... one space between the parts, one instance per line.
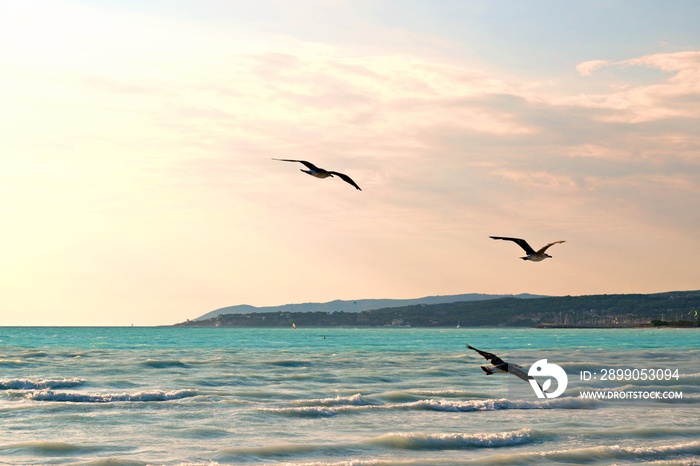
x=358 y=305
x=678 y=308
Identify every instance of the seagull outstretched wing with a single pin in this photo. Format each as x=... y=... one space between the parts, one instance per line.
x=309 y=165
x=541 y=251
x=501 y=365
x=322 y=173
x=495 y=360
x=518 y=372
x=346 y=178
x=520 y=242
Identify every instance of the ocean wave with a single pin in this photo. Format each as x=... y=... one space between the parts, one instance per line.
x=75 y=397
x=602 y=454
x=392 y=441
x=39 y=384
x=35 y=354
x=237 y=455
x=289 y=363
x=450 y=393
x=415 y=395
x=163 y=363
x=373 y=462
x=44 y=448
x=124 y=462
x=203 y=433
x=501 y=403
x=304 y=411
x=5 y=362
x=31 y=356
x=353 y=400
x=351 y=405
x=401 y=396
x=627 y=432
x=688 y=397
x=53 y=448
x=454 y=441
x=674 y=454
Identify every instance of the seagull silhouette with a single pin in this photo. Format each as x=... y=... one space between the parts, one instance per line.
x=313 y=170
x=532 y=255
x=499 y=365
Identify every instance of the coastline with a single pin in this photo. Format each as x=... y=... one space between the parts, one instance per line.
x=675 y=309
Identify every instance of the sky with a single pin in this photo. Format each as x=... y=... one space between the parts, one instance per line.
x=137 y=184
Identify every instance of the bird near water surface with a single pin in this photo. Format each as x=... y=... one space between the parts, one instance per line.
x=313 y=170
x=499 y=365
x=532 y=255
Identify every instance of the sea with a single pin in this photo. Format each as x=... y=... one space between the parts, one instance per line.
x=347 y=396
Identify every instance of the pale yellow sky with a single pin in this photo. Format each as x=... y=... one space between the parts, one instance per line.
x=138 y=187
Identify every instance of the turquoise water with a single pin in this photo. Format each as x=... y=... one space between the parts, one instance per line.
x=136 y=396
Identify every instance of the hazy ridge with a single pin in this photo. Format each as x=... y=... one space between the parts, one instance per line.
x=359 y=305
x=611 y=310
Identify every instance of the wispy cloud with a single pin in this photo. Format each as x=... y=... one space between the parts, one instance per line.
x=675 y=96
x=587 y=68
x=144 y=141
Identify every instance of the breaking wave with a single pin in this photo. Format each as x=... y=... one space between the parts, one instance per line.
x=391 y=441
x=327 y=407
x=676 y=454
x=39 y=384
x=501 y=403
x=353 y=400
x=606 y=454
x=423 y=441
x=74 y=397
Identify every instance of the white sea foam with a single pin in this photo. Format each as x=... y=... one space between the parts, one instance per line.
x=39 y=384
x=451 y=441
x=501 y=403
x=303 y=411
x=76 y=397
x=353 y=400
x=327 y=407
x=605 y=453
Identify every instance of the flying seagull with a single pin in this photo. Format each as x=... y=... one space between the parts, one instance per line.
x=313 y=170
x=532 y=255
x=499 y=365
